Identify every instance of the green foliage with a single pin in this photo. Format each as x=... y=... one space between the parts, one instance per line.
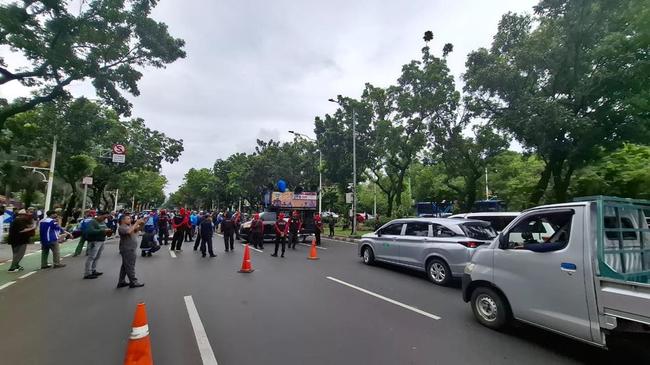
x=566 y=83
x=144 y=185
x=625 y=173
x=106 y=42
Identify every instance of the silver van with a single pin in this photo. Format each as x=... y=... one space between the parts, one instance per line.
x=580 y=269
x=439 y=246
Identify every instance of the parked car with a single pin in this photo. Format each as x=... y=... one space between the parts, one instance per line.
x=269 y=218
x=498 y=220
x=439 y=246
x=588 y=280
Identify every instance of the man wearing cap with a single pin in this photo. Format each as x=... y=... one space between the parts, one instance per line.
x=281 y=229
x=257 y=232
x=20 y=230
x=228 y=231
x=96 y=236
x=128 y=244
x=295 y=225
x=318 y=228
x=50 y=230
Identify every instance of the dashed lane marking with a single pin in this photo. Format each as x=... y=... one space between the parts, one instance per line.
x=26 y=275
x=318 y=247
x=207 y=355
x=7 y=285
x=252 y=248
x=389 y=300
x=172 y=254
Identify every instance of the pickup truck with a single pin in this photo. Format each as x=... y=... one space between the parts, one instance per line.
x=587 y=279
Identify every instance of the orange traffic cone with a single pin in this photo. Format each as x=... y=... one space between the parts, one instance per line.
x=313 y=255
x=246 y=266
x=138 y=351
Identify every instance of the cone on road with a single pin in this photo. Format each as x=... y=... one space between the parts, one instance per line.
x=138 y=351
x=246 y=266
x=313 y=255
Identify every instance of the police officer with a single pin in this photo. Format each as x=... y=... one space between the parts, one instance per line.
x=281 y=229
x=257 y=232
x=228 y=231
x=295 y=225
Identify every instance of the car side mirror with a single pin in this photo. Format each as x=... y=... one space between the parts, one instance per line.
x=503 y=241
x=378 y=233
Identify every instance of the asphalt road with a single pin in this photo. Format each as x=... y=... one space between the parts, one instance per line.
x=288 y=311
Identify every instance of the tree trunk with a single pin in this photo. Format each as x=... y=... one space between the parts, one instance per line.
x=470 y=192
x=561 y=183
x=540 y=187
x=390 y=198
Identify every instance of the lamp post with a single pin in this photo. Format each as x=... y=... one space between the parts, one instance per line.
x=354 y=168
x=320 y=172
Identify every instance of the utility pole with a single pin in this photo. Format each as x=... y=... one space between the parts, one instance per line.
x=117 y=192
x=487 y=190
x=354 y=172
x=83 y=204
x=374 y=209
x=50 y=180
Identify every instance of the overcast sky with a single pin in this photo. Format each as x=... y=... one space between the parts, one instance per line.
x=256 y=69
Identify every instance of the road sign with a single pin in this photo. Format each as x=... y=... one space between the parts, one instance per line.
x=119 y=149
x=88 y=180
x=349 y=197
x=117 y=158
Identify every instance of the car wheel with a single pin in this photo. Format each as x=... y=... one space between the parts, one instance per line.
x=438 y=272
x=489 y=308
x=368 y=256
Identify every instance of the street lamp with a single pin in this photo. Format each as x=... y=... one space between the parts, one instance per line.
x=354 y=168
x=320 y=167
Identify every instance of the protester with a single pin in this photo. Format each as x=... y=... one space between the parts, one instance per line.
x=20 y=231
x=295 y=225
x=228 y=231
x=237 y=222
x=148 y=244
x=318 y=228
x=50 y=230
x=197 y=242
x=96 y=236
x=128 y=245
x=179 y=224
x=163 y=228
x=206 y=231
x=82 y=239
x=189 y=234
x=332 y=224
x=257 y=232
x=281 y=229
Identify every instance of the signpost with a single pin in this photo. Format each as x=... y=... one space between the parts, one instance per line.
x=119 y=153
x=88 y=180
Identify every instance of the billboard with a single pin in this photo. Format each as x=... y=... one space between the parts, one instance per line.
x=304 y=200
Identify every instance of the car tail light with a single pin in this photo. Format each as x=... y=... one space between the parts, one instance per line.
x=470 y=244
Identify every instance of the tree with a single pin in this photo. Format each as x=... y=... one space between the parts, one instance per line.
x=107 y=42
x=624 y=173
x=145 y=187
x=575 y=83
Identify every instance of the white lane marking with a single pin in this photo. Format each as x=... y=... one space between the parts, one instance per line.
x=68 y=255
x=2 y=263
x=318 y=247
x=7 y=284
x=26 y=275
x=31 y=253
x=252 y=248
x=199 y=332
x=172 y=254
x=406 y=306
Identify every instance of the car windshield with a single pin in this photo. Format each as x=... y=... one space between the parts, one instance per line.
x=268 y=216
x=478 y=230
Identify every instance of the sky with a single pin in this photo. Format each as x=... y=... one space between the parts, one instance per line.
x=257 y=69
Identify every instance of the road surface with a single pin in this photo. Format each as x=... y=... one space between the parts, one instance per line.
x=288 y=311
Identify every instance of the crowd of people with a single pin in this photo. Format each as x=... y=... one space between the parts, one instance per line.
x=154 y=227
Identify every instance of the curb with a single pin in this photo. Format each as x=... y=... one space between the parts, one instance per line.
x=345 y=239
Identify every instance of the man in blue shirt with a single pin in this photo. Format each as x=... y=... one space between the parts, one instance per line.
x=50 y=232
x=82 y=239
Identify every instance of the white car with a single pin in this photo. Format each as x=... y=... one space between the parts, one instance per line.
x=498 y=220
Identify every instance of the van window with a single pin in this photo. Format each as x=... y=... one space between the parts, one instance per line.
x=478 y=230
x=418 y=229
x=544 y=231
x=442 y=231
x=394 y=229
